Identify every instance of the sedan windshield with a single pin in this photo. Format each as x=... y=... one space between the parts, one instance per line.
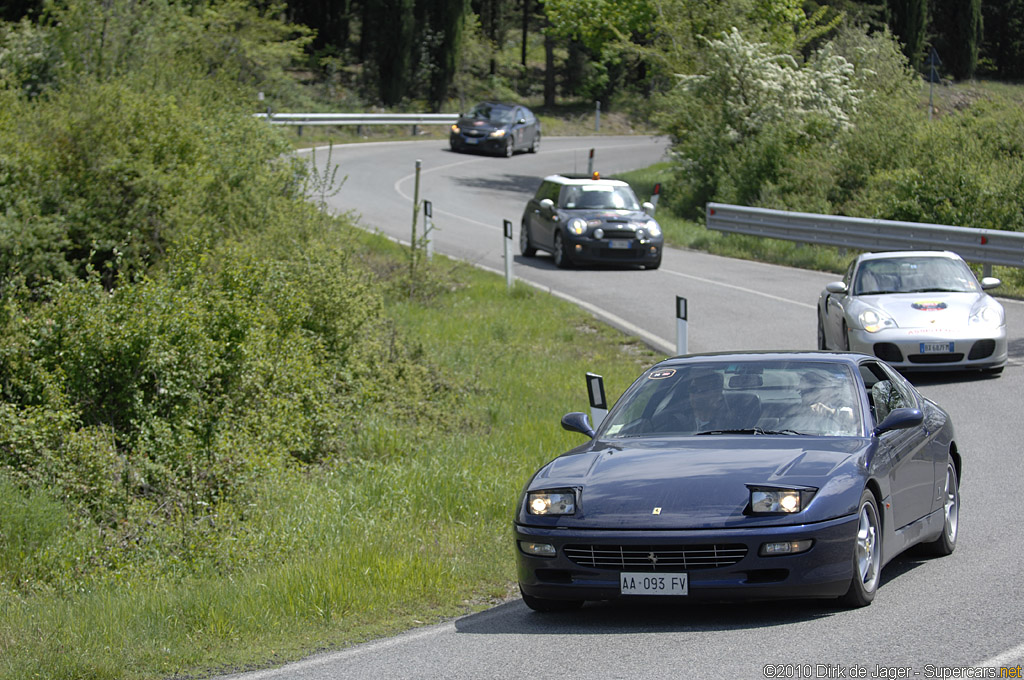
x=914 y=275
x=598 y=197
x=754 y=397
x=491 y=112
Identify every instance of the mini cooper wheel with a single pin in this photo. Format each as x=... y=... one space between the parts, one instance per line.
x=559 y=255
x=867 y=554
x=524 y=241
x=945 y=544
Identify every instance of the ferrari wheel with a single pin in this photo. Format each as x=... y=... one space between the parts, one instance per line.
x=561 y=257
x=946 y=542
x=822 y=344
x=524 y=241
x=867 y=554
x=539 y=604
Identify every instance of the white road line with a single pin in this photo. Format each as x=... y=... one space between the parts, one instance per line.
x=1013 y=656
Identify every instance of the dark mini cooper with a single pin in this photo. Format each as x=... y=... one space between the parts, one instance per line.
x=744 y=475
x=590 y=220
x=496 y=128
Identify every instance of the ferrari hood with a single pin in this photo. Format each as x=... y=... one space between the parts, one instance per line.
x=926 y=310
x=699 y=482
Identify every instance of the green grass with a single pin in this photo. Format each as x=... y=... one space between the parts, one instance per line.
x=410 y=531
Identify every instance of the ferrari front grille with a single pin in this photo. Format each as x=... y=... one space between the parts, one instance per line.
x=655 y=557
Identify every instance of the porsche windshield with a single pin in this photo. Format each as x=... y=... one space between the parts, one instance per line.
x=914 y=275
x=770 y=397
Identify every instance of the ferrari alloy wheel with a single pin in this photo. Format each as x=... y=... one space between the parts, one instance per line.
x=539 y=604
x=867 y=554
x=946 y=542
x=560 y=256
x=509 y=148
x=524 y=241
x=822 y=344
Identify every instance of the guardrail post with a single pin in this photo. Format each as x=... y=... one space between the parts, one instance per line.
x=428 y=227
x=415 y=213
x=598 y=402
x=509 y=279
x=681 y=344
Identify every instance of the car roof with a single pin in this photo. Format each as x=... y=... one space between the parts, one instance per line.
x=589 y=181
x=821 y=356
x=908 y=253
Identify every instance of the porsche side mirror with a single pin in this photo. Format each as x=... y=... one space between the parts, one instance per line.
x=990 y=282
x=837 y=287
x=577 y=421
x=900 y=419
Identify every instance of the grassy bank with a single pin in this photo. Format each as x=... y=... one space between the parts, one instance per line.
x=404 y=531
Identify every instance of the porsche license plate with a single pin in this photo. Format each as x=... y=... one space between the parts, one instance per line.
x=619 y=244
x=936 y=347
x=641 y=583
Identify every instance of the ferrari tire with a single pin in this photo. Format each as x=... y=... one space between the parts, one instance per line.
x=945 y=544
x=539 y=604
x=525 y=248
x=558 y=253
x=867 y=554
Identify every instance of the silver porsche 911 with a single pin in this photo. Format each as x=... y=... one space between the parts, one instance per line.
x=916 y=310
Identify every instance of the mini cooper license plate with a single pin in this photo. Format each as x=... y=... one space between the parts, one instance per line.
x=619 y=244
x=936 y=347
x=646 y=583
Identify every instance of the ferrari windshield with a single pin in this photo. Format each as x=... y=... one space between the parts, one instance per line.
x=914 y=275
x=751 y=397
x=598 y=197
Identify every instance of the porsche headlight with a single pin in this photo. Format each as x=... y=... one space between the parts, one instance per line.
x=873 y=320
x=778 y=501
x=577 y=226
x=497 y=133
x=557 y=502
x=987 y=315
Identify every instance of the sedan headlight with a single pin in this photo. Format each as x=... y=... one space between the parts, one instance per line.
x=455 y=129
x=497 y=133
x=765 y=500
x=987 y=315
x=577 y=226
x=557 y=502
x=874 y=320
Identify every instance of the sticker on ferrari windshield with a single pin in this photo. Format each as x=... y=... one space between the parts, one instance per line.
x=928 y=305
x=662 y=374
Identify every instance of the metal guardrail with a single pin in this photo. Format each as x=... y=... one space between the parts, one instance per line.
x=983 y=246
x=359 y=118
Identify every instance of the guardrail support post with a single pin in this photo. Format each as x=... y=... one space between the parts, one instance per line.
x=509 y=279
x=428 y=228
x=598 y=402
x=681 y=344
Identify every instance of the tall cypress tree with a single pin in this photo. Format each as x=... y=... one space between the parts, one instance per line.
x=388 y=40
x=1003 y=46
x=444 y=20
x=957 y=25
x=908 y=20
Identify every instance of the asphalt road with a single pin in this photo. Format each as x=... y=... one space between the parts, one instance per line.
x=944 y=617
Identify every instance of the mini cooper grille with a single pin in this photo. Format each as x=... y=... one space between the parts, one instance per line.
x=655 y=558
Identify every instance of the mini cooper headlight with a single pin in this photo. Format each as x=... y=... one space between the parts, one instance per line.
x=873 y=320
x=557 y=502
x=654 y=229
x=577 y=226
x=766 y=500
x=497 y=133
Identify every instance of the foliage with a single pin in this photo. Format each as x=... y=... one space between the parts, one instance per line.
x=29 y=61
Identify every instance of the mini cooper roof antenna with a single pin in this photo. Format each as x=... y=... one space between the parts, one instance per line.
x=597 y=175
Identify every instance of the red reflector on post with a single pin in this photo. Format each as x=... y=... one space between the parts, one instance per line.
x=984 y=240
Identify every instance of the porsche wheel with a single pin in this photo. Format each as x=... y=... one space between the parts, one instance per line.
x=539 y=604
x=845 y=340
x=524 y=241
x=559 y=255
x=946 y=542
x=867 y=554
x=822 y=343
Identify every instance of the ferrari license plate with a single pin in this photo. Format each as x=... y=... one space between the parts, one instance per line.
x=619 y=244
x=640 y=583
x=936 y=347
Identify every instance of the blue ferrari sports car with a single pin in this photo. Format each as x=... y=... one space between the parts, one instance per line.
x=743 y=475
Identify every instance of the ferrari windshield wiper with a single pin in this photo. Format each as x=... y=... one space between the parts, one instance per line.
x=749 y=430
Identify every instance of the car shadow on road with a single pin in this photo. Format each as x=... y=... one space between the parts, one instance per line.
x=516 y=184
x=617 y=618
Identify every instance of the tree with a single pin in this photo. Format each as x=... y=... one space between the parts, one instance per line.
x=908 y=20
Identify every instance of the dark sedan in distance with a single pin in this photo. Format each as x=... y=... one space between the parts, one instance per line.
x=590 y=220
x=499 y=128
x=742 y=475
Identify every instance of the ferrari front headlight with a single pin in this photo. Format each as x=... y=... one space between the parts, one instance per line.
x=557 y=502
x=577 y=226
x=778 y=501
x=874 y=320
x=987 y=315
